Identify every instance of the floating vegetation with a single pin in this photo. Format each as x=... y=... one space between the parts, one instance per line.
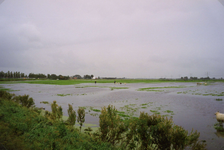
x=45 y=102
x=212 y=94
x=219 y=127
x=84 y=94
x=153 y=88
x=94 y=114
x=155 y=112
x=83 y=107
x=168 y=111
x=63 y=94
x=205 y=93
x=96 y=110
x=218 y=99
x=144 y=107
x=112 y=88
x=156 y=90
x=143 y=104
x=130 y=109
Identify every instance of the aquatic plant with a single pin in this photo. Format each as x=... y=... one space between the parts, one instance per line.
x=45 y=102
x=63 y=94
x=218 y=99
x=112 y=88
x=153 y=88
x=219 y=127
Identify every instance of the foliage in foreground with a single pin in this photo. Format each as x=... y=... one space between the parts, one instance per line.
x=23 y=128
x=145 y=132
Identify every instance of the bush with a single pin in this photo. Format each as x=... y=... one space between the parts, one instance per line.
x=81 y=116
x=145 y=132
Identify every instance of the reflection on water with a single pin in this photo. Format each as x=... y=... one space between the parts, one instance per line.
x=190 y=105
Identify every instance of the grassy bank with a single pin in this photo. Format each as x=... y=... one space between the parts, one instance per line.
x=78 y=81
x=24 y=128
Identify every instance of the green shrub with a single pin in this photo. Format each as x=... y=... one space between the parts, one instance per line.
x=72 y=116
x=81 y=117
x=56 y=113
x=24 y=100
x=111 y=126
x=145 y=132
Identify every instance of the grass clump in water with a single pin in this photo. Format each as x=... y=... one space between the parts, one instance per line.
x=218 y=99
x=153 y=88
x=63 y=94
x=168 y=111
x=45 y=102
x=112 y=88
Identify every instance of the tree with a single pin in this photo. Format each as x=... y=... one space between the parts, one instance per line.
x=77 y=76
x=87 y=76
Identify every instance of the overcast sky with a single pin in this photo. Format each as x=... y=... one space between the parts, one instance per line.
x=117 y=38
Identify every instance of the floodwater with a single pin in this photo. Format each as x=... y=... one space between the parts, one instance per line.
x=190 y=105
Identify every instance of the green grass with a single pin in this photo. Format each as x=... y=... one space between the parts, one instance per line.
x=78 y=81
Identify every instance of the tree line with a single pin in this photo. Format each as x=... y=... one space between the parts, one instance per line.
x=16 y=74
x=11 y=74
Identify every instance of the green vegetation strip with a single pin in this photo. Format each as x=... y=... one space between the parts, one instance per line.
x=153 y=88
x=63 y=94
x=79 y=81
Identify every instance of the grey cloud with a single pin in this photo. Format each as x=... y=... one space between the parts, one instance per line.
x=116 y=38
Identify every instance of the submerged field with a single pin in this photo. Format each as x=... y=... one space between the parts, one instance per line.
x=190 y=105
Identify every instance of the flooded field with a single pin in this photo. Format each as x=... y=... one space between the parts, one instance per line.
x=190 y=105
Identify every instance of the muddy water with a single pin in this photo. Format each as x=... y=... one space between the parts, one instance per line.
x=190 y=106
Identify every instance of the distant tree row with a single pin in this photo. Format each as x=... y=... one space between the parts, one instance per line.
x=36 y=76
x=16 y=74
x=195 y=78
x=11 y=74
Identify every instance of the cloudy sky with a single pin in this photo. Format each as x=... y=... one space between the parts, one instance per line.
x=128 y=38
